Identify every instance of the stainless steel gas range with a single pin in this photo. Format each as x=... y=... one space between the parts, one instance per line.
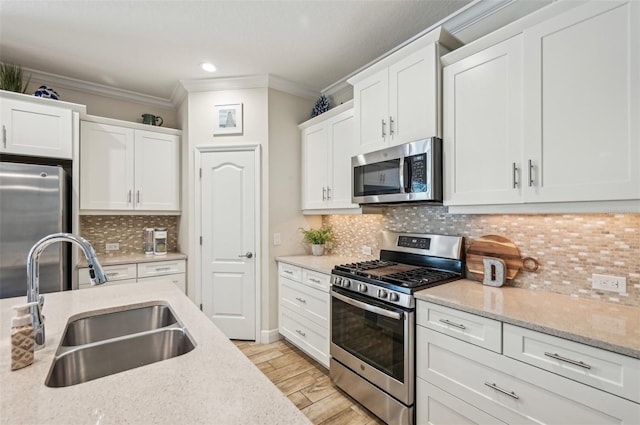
x=373 y=319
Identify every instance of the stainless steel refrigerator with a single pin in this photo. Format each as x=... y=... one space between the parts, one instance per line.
x=33 y=204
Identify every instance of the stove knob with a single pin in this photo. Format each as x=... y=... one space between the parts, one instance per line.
x=362 y=287
x=393 y=297
x=337 y=281
x=382 y=293
x=346 y=283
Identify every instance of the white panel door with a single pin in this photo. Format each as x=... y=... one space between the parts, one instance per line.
x=342 y=147
x=106 y=167
x=371 y=104
x=582 y=82
x=157 y=171
x=413 y=93
x=483 y=126
x=229 y=208
x=314 y=167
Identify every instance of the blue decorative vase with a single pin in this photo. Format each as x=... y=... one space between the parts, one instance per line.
x=47 y=92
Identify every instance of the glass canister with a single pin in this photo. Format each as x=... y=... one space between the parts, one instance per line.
x=148 y=240
x=160 y=241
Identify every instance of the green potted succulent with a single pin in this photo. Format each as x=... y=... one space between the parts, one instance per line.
x=317 y=238
x=11 y=77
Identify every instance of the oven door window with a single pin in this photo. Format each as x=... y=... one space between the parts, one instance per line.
x=380 y=178
x=373 y=338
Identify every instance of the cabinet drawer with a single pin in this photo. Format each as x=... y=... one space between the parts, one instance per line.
x=437 y=407
x=87 y=284
x=593 y=366
x=316 y=280
x=113 y=273
x=513 y=391
x=292 y=272
x=159 y=268
x=308 y=302
x=306 y=335
x=483 y=332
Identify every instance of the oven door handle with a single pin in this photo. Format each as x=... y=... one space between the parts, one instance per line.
x=368 y=307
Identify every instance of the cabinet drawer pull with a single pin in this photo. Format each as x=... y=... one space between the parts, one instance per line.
x=288 y=271
x=112 y=274
x=530 y=173
x=457 y=325
x=497 y=388
x=163 y=269
x=300 y=332
x=302 y=300
x=314 y=280
x=383 y=128
x=515 y=176
x=564 y=359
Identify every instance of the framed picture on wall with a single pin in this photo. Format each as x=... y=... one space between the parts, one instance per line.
x=227 y=119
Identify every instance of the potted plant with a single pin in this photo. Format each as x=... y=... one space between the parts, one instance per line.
x=11 y=78
x=317 y=238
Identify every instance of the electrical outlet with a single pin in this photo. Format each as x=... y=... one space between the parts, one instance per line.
x=277 y=239
x=605 y=282
x=114 y=246
x=366 y=250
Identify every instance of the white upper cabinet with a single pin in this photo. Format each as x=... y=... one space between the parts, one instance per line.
x=123 y=168
x=549 y=115
x=328 y=143
x=483 y=126
x=34 y=128
x=397 y=100
x=582 y=91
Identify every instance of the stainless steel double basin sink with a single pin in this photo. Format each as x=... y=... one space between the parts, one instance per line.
x=107 y=343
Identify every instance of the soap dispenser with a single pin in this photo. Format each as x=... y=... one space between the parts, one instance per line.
x=22 y=338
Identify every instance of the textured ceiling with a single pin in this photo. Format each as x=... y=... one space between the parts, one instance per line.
x=147 y=46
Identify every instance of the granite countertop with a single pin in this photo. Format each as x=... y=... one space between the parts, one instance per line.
x=320 y=263
x=133 y=258
x=597 y=323
x=213 y=384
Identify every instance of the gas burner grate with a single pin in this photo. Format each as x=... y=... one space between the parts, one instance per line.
x=418 y=277
x=364 y=265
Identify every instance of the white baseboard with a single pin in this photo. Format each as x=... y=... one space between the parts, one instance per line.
x=269 y=336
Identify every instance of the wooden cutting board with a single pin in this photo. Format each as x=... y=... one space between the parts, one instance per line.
x=497 y=247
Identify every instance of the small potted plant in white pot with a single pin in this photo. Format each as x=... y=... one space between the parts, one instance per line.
x=317 y=238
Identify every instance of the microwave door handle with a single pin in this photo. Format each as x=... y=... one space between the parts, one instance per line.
x=406 y=175
x=401 y=173
x=368 y=307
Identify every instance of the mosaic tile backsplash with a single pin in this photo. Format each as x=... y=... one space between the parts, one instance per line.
x=569 y=248
x=127 y=230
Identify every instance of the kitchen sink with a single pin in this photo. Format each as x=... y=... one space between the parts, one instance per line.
x=111 y=325
x=109 y=343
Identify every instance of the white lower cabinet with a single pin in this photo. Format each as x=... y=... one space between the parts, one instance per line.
x=505 y=389
x=304 y=310
x=173 y=270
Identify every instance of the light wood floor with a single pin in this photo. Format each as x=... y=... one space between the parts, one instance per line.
x=306 y=383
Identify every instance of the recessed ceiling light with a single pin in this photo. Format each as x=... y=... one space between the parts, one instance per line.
x=209 y=67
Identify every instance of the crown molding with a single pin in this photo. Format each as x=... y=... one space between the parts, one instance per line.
x=248 y=82
x=97 y=89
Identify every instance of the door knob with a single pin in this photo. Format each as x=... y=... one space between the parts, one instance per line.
x=248 y=255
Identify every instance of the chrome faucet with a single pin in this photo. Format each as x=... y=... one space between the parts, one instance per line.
x=33 y=276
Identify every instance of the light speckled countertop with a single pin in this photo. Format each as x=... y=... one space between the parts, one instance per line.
x=320 y=263
x=133 y=258
x=600 y=324
x=213 y=384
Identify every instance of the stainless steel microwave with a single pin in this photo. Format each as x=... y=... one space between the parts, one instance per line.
x=411 y=172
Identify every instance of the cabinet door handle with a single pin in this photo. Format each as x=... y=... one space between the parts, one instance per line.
x=328 y=193
x=384 y=124
x=129 y=197
x=390 y=126
x=4 y=136
x=515 y=176
x=564 y=359
x=530 y=173
x=497 y=388
x=300 y=332
x=324 y=193
x=302 y=300
x=457 y=325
